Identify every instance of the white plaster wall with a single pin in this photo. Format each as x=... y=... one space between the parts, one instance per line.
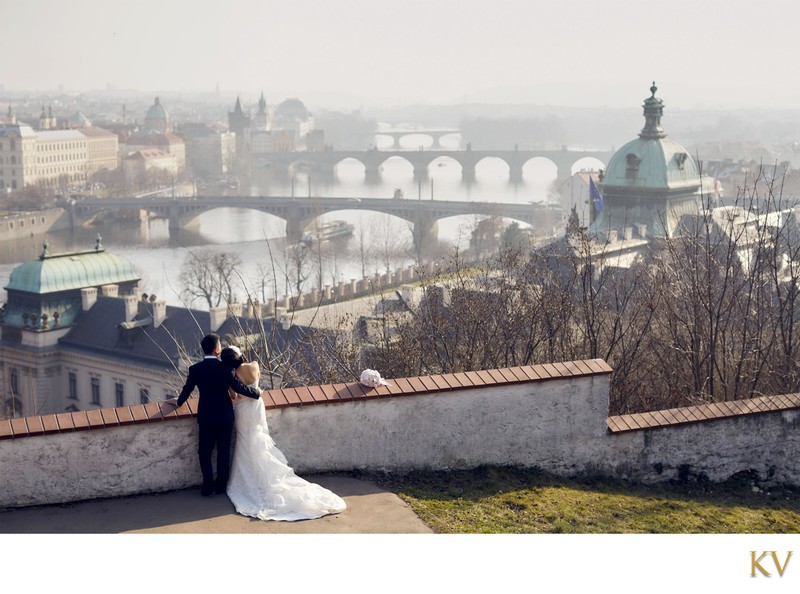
x=550 y=424
x=112 y=462
x=767 y=443
x=558 y=425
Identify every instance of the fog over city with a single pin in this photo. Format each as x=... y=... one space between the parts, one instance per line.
x=353 y=53
x=590 y=207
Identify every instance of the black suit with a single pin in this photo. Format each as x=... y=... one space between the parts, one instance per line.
x=214 y=415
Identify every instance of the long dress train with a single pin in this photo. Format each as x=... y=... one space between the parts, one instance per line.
x=262 y=485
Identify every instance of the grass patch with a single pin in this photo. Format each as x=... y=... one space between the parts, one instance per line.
x=510 y=500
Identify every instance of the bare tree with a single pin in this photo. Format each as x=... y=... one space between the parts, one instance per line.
x=210 y=276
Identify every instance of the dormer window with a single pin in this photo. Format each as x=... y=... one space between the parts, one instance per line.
x=632 y=165
x=680 y=159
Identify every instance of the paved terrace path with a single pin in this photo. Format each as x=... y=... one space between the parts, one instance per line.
x=370 y=510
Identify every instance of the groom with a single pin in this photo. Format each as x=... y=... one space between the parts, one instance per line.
x=214 y=411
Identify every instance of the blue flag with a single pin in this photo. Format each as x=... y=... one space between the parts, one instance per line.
x=594 y=195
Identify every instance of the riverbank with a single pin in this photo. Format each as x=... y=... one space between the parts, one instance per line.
x=23 y=224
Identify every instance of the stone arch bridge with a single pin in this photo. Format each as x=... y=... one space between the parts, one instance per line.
x=299 y=213
x=435 y=135
x=325 y=162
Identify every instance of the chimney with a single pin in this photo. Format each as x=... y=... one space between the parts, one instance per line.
x=110 y=290
x=642 y=229
x=159 y=312
x=216 y=316
x=279 y=313
x=286 y=321
x=235 y=309
x=131 y=307
x=627 y=233
x=88 y=298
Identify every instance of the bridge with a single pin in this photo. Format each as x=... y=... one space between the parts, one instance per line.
x=325 y=162
x=299 y=213
x=436 y=135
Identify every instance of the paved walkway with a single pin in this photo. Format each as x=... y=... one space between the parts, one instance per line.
x=370 y=510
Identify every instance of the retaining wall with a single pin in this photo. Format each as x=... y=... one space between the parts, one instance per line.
x=551 y=416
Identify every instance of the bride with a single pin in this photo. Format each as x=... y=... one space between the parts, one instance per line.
x=262 y=485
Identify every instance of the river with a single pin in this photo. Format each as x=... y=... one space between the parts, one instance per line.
x=258 y=238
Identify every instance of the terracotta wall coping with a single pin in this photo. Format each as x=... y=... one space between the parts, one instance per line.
x=702 y=412
x=156 y=412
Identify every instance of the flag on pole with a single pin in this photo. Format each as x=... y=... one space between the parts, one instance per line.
x=595 y=197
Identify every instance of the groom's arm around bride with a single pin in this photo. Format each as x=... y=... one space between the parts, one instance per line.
x=215 y=415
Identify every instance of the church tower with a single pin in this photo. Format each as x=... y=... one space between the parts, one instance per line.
x=261 y=120
x=239 y=124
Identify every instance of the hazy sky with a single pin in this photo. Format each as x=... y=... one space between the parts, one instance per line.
x=710 y=53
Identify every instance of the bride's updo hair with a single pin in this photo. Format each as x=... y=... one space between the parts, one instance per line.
x=232 y=357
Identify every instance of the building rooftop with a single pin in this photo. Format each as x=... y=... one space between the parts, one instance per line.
x=53 y=273
x=652 y=161
x=59 y=135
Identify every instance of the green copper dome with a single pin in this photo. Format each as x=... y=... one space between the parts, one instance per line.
x=157 y=112
x=68 y=272
x=652 y=161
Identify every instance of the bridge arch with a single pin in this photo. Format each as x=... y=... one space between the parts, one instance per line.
x=349 y=167
x=453 y=167
x=415 y=139
x=451 y=140
x=540 y=170
x=485 y=164
x=302 y=164
x=587 y=164
x=258 y=221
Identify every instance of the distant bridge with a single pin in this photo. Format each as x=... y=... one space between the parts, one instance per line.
x=299 y=213
x=435 y=134
x=325 y=162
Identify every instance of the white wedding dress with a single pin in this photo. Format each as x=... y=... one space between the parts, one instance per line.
x=262 y=485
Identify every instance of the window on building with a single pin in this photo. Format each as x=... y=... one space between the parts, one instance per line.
x=632 y=162
x=95 y=390
x=119 y=391
x=144 y=395
x=14 y=381
x=73 y=385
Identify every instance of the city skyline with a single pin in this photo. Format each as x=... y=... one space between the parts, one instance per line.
x=352 y=53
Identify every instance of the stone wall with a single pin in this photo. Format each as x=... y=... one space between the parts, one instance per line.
x=549 y=416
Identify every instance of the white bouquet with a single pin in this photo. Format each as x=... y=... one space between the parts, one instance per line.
x=372 y=379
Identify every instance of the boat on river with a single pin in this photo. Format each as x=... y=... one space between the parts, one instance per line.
x=327 y=232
